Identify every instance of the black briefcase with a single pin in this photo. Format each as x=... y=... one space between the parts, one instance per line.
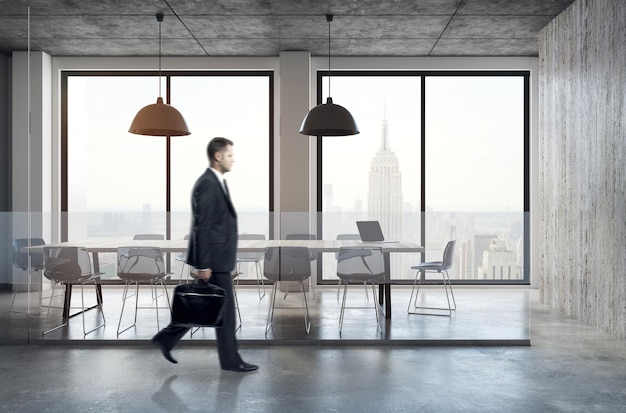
x=199 y=304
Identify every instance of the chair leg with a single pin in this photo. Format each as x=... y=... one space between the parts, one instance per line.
x=237 y=304
x=259 y=278
x=307 y=322
x=182 y=269
x=408 y=310
x=451 y=292
x=270 y=312
x=156 y=303
x=82 y=299
x=28 y=282
x=343 y=306
x=377 y=309
x=446 y=285
x=338 y=289
x=124 y=298
x=45 y=323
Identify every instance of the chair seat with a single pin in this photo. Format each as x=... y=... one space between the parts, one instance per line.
x=432 y=266
x=70 y=278
x=286 y=277
x=361 y=277
x=141 y=277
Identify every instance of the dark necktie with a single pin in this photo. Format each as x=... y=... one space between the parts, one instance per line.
x=226 y=189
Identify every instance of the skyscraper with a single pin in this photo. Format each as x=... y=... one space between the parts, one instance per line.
x=384 y=197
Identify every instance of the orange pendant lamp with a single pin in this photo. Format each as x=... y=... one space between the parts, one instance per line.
x=159 y=119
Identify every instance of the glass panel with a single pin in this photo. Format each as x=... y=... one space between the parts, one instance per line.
x=116 y=180
x=235 y=107
x=386 y=151
x=475 y=174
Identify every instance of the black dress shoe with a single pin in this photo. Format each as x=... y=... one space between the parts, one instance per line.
x=242 y=367
x=165 y=351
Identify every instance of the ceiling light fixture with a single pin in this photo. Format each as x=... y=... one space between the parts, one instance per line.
x=329 y=119
x=159 y=119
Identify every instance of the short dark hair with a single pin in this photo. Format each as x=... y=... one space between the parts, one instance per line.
x=217 y=145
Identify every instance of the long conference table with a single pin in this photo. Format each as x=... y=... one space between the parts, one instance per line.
x=109 y=245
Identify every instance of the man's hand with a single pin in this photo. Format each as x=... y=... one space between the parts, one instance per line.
x=204 y=274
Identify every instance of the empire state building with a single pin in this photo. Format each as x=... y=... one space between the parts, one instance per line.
x=384 y=199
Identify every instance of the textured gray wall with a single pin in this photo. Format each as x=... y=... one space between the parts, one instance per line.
x=582 y=161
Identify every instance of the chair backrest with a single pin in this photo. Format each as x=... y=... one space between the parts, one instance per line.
x=301 y=236
x=251 y=236
x=352 y=237
x=151 y=237
x=349 y=236
x=448 y=253
x=286 y=263
x=140 y=262
x=312 y=255
x=20 y=258
x=361 y=261
x=250 y=256
x=66 y=263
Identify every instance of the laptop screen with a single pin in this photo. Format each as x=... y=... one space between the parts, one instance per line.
x=370 y=231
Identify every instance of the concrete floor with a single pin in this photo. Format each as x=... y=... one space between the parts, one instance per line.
x=569 y=367
x=485 y=317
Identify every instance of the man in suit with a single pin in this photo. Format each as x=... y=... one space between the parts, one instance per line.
x=212 y=252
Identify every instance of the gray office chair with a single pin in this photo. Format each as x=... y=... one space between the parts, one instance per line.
x=442 y=268
x=362 y=265
x=27 y=262
x=149 y=237
x=182 y=258
x=312 y=255
x=255 y=258
x=352 y=237
x=66 y=266
x=287 y=264
x=141 y=264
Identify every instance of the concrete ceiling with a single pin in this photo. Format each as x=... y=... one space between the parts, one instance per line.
x=266 y=27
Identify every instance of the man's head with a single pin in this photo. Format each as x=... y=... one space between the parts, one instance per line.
x=220 y=153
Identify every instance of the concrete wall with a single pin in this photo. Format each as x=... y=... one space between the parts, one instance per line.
x=582 y=161
x=5 y=171
x=5 y=149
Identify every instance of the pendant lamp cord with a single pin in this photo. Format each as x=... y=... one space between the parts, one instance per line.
x=159 y=19
x=329 y=18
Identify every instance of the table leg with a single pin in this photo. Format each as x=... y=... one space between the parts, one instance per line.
x=388 y=301
x=67 y=301
x=68 y=292
x=96 y=269
x=384 y=290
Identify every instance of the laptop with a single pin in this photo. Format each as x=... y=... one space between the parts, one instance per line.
x=370 y=231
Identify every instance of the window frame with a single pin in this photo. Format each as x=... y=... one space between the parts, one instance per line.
x=167 y=75
x=424 y=74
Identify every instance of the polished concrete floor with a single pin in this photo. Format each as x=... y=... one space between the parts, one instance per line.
x=484 y=317
x=569 y=367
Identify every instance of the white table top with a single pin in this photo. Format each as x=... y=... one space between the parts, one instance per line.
x=111 y=245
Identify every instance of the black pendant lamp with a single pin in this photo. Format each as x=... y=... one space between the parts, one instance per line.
x=329 y=119
x=159 y=119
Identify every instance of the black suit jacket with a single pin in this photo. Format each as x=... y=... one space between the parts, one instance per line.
x=213 y=235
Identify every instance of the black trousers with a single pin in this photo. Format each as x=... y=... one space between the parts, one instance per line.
x=226 y=341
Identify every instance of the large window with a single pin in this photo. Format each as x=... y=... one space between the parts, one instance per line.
x=116 y=184
x=440 y=156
